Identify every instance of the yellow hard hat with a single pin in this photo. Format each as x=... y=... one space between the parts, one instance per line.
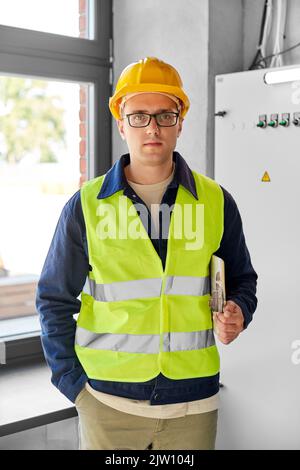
x=149 y=75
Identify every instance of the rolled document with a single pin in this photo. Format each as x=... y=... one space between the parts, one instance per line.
x=217 y=284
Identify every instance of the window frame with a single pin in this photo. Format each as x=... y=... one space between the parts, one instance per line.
x=43 y=55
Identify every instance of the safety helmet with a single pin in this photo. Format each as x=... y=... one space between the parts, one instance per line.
x=149 y=75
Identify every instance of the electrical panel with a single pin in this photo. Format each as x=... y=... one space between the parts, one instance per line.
x=257 y=159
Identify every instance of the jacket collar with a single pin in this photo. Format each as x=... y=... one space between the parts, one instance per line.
x=115 y=179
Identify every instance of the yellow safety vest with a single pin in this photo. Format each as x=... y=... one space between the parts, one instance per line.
x=136 y=318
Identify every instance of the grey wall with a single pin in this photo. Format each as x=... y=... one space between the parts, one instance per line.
x=225 y=55
x=198 y=37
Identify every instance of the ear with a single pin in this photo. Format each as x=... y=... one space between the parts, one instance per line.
x=120 y=124
x=179 y=127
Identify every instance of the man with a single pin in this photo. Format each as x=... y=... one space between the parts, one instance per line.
x=141 y=364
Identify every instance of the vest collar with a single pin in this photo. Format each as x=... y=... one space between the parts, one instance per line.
x=115 y=179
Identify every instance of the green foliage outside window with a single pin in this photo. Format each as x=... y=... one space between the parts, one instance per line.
x=31 y=120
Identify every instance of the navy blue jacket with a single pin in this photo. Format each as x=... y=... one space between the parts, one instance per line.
x=66 y=268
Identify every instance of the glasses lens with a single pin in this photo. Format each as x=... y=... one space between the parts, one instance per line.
x=139 y=120
x=166 y=119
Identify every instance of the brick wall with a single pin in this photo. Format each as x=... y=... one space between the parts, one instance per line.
x=83 y=4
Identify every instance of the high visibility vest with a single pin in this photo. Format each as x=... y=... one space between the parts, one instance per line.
x=136 y=318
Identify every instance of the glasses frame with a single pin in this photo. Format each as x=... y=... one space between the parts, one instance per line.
x=150 y=117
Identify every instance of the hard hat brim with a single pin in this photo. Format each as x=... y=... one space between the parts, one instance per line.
x=115 y=100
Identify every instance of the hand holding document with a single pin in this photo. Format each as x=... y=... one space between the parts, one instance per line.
x=228 y=319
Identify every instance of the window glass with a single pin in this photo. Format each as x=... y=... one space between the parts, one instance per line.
x=65 y=17
x=43 y=145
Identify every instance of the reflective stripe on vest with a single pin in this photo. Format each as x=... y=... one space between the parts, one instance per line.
x=187 y=285
x=144 y=288
x=148 y=344
x=124 y=290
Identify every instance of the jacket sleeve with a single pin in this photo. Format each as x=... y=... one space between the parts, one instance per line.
x=240 y=276
x=62 y=279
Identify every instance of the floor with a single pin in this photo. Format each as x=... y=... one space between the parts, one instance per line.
x=62 y=435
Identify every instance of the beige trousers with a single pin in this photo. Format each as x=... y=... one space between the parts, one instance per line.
x=104 y=428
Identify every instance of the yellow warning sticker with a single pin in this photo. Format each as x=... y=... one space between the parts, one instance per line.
x=266 y=177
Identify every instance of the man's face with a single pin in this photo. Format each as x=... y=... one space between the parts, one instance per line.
x=151 y=145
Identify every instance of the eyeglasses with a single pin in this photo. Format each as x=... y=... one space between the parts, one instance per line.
x=166 y=119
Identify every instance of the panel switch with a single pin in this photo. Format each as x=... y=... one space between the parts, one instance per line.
x=285 y=120
x=262 y=121
x=296 y=119
x=273 y=121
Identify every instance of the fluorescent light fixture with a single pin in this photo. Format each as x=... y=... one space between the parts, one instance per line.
x=282 y=76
